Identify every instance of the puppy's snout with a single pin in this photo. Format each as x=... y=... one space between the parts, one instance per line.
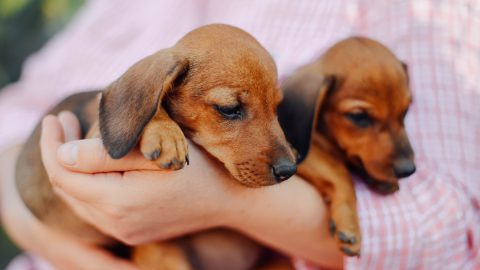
x=283 y=168
x=403 y=167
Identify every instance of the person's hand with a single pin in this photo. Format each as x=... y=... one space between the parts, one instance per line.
x=129 y=198
x=60 y=250
x=133 y=201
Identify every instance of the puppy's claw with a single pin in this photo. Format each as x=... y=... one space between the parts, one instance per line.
x=332 y=227
x=349 y=252
x=173 y=165
x=187 y=160
x=177 y=165
x=153 y=155
x=344 y=238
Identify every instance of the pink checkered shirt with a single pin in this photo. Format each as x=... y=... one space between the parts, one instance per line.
x=434 y=221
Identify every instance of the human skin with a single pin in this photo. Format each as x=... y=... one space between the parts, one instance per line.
x=135 y=206
x=61 y=250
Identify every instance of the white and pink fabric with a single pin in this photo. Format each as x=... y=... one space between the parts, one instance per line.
x=433 y=222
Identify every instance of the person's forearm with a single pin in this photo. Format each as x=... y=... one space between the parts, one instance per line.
x=11 y=210
x=20 y=224
x=24 y=229
x=63 y=251
x=290 y=217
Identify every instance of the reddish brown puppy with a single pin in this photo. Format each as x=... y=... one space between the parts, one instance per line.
x=357 y=96
x=218 y=86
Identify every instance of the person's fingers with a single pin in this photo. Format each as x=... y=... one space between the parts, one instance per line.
x=90 y=156
x=85 y=211
x=85 y=187
x=70 y=125
x=76 y=205
x=51 y=138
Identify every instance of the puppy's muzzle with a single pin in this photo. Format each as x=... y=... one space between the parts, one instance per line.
x=403 y=167
x=283 y=169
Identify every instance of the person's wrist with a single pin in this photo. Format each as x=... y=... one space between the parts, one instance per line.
x=224 y=205
x=237 y=208
x=218 y=192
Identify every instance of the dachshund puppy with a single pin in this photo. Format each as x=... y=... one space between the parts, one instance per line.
x=356 y=95
x=217 y=86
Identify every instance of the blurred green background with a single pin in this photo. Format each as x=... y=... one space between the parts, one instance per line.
x=25 y=25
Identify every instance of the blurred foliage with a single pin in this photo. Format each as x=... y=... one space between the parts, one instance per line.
x=25 y=25
x=7 y=249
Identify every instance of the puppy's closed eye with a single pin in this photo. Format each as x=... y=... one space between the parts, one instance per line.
x=361 y=119
x=230 y=112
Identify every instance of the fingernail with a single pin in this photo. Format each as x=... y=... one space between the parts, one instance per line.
x=62 y=114
x=68 y=153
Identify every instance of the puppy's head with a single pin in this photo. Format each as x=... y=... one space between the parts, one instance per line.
x=220 y=85
x=363 y=102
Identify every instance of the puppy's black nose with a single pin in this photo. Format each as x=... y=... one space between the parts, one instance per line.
x=283 y=169
x=403 y=167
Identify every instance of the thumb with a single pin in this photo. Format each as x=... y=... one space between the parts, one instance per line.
x=90 y=156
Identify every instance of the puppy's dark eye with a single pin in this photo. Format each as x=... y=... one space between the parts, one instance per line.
x=361 y=119
x=230 y=112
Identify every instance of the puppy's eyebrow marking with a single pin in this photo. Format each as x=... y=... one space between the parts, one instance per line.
x=243 y=95
x=222 y=96
x=350 y=104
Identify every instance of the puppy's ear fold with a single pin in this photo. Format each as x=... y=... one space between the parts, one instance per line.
x=304 y=93
x=405 y=68
x=130 y=102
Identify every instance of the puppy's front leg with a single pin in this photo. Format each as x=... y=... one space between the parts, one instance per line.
x=161 y=256
x=163 y=142
x=333 y=181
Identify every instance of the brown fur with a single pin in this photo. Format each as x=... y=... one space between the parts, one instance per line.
x=193 y=88
x=354 y=77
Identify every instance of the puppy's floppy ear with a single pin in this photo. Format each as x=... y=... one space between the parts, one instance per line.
x=304 y=94
x=130 y=102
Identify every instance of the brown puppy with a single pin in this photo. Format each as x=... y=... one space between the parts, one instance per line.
x=357 y=96
x=218 y=86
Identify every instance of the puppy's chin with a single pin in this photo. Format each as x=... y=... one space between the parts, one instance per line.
x=249 y=177
x=255 y=182
x=383 y=186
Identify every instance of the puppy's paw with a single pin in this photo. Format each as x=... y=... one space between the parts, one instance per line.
x=346 y=230
x=164 y=143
